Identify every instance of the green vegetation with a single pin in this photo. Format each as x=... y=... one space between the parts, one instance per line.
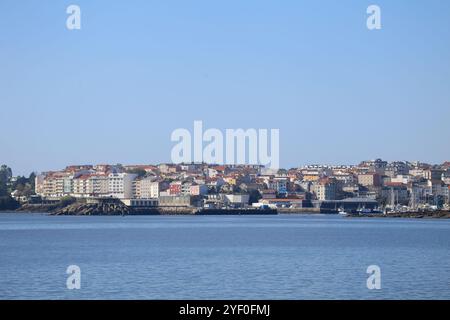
x=138 y=171
x=21 y=185
x=67 y=200
x=254 y=196
x=5 y=177
x=24 y=186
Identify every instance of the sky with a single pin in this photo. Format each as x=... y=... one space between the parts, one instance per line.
x=115 y=90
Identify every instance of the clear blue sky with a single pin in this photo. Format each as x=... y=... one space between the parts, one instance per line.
x=114 y=91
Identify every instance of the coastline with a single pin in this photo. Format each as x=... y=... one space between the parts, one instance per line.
x=117 y=209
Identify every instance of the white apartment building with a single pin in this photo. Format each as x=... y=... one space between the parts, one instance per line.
x=146 y=188
x=90 y=185
x=155 y=188
x=53 y=184
x=81 y=186
x=100 y=184
x=120 y=185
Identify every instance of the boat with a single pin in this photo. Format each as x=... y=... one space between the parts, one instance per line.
x=342 y=212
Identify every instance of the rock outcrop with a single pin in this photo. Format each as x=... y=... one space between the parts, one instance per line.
x=93 y=209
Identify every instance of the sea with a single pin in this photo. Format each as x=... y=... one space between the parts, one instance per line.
x=296 y=256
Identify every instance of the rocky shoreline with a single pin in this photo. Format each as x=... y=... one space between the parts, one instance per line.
x=37 y=208
x=97 y=209
x=117 y=208
x=93 y=209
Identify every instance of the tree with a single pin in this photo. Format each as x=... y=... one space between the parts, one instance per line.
x=32 y=180
x=6 y=170
x=5 y=177
x=138 y=171
x=23 y=185
x=254 y=196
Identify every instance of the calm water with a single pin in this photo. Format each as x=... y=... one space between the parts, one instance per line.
x=209 y=257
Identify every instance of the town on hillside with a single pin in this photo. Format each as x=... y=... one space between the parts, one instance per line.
x=370 y=186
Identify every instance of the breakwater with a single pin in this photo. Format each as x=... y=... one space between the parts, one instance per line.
x=111 y=207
